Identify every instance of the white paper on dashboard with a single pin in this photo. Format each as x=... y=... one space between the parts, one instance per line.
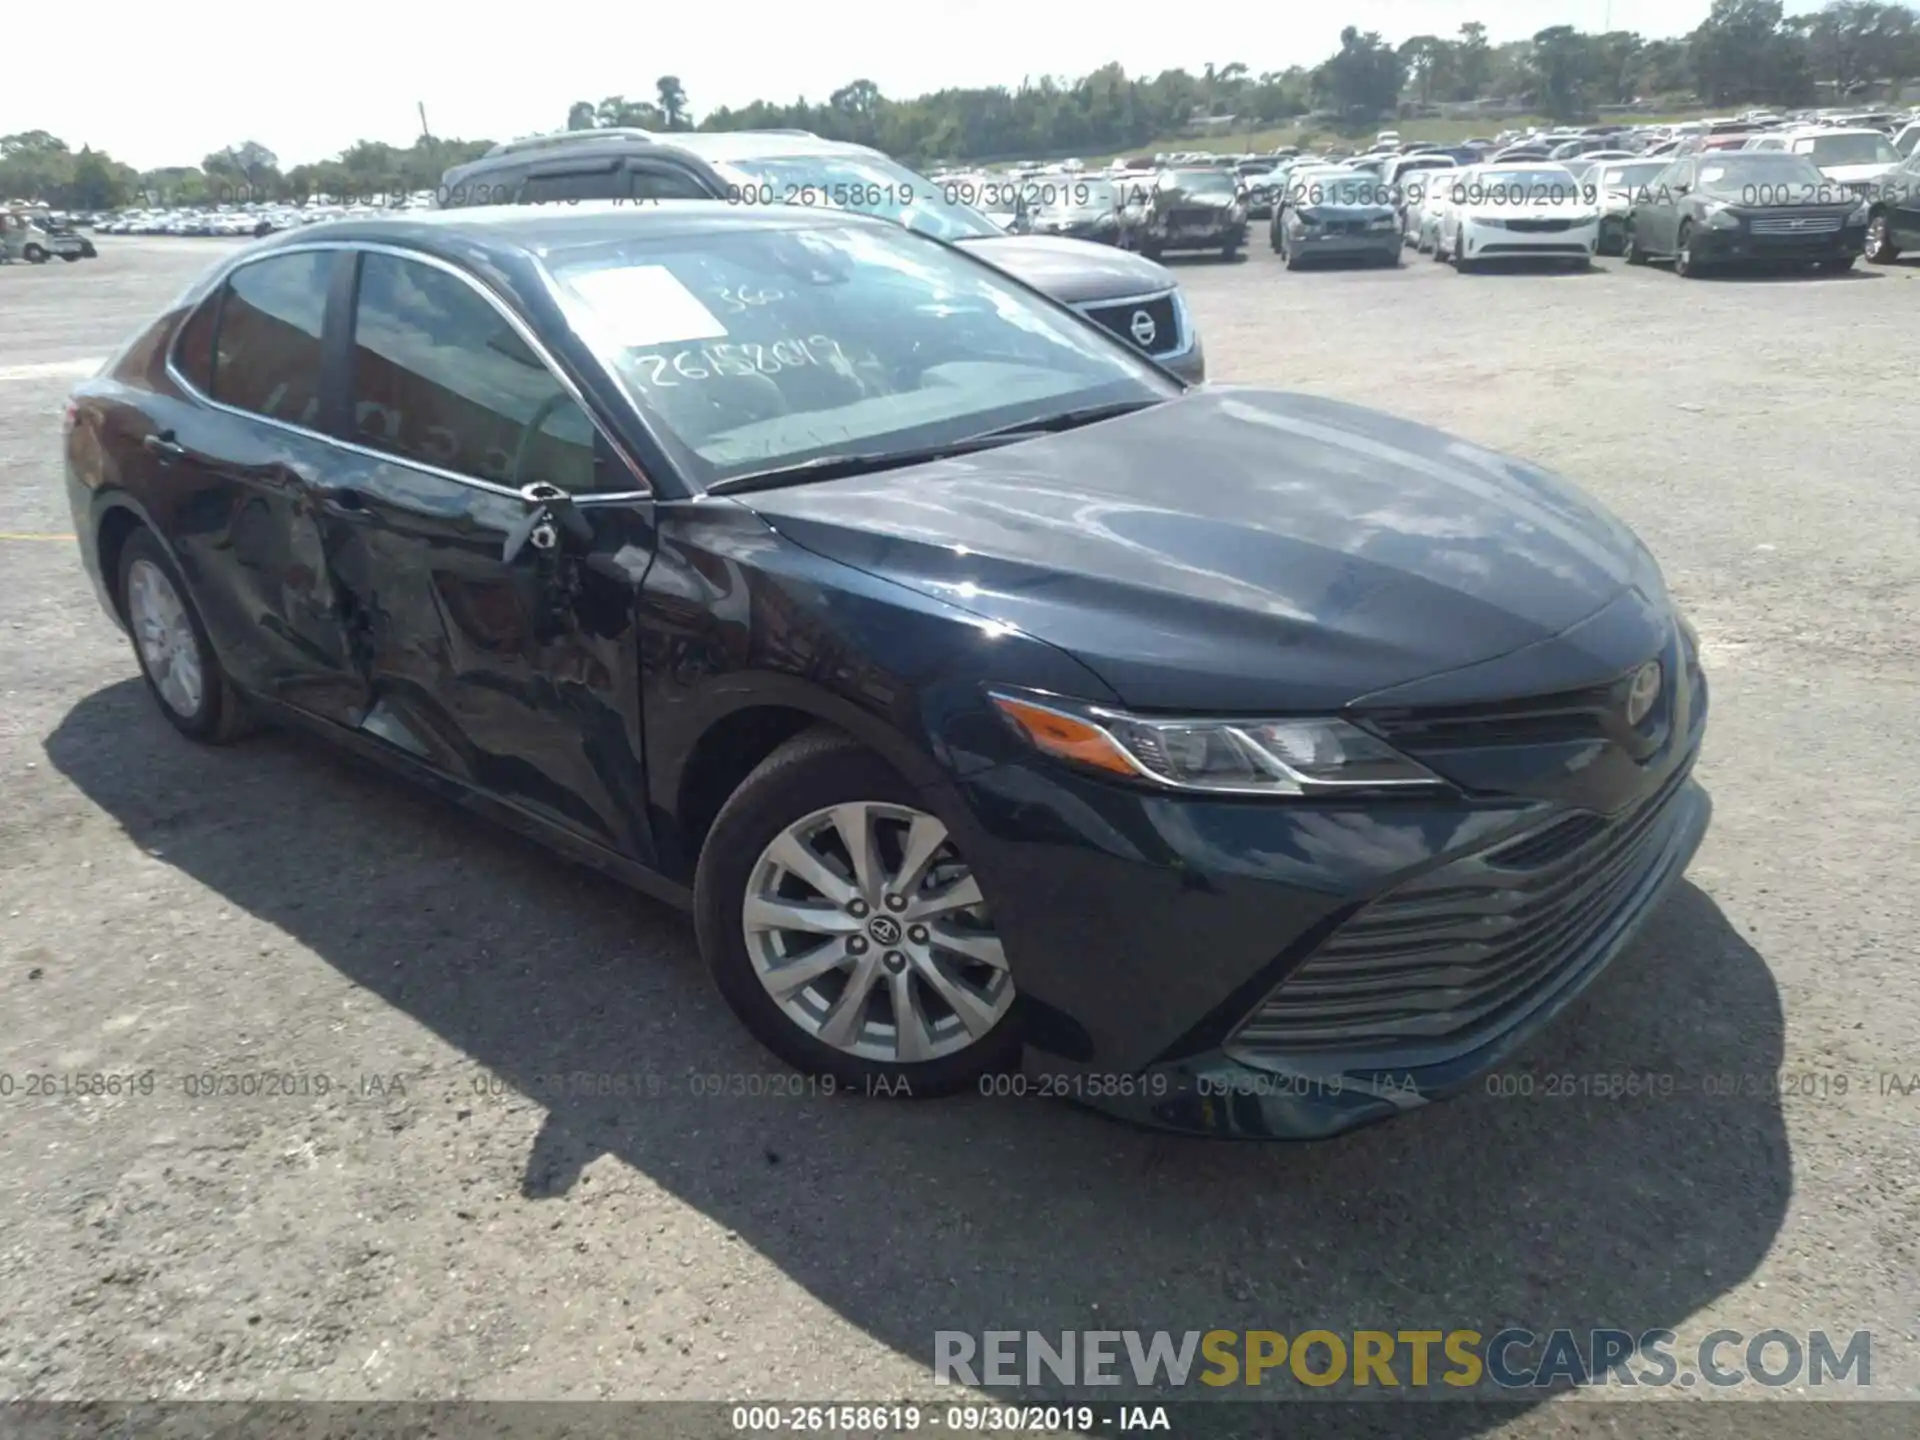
x=640 y=305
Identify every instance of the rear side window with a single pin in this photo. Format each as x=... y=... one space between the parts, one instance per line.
x=193 y=351
x=441 y=378
x=267 y=352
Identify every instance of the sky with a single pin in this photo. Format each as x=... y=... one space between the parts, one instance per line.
x=165 y=84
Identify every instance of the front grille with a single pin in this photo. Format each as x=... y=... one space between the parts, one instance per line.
x=1796 y=225
x=1195 y=219
x=1571 y=715
x=1445 y=962
x=1119 y=318
x=1539 y=227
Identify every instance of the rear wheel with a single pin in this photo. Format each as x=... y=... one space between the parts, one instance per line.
x=1635 y=255
x=1685 y=263
x=176 y=659
x=1880 y=247
x=847 y=931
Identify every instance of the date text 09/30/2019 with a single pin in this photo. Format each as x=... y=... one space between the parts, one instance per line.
x=904 y=1418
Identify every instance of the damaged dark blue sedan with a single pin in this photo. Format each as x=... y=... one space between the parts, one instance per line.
x=1000 y=705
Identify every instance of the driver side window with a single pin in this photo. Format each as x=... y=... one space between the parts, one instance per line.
x=440 y=378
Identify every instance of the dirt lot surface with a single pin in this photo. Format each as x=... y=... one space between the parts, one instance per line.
x=445 y=1221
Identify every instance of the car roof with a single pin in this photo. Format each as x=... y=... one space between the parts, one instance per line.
x=1818 y=132
x=537 y=228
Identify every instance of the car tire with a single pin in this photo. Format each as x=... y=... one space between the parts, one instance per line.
x=1684 y=265
x=1461 y=265
x=34 y=255
x=1273 y=238
x=772 y=832
x=1880 y=247
x=1631 y=248
x=70 y=259
x=1229 y=253
x=170 y=644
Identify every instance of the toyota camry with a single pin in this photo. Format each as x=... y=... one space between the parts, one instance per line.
x=1257 y=764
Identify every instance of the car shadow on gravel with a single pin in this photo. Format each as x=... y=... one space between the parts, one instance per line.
x=1534 y=1201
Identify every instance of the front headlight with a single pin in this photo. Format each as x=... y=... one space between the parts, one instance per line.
x=1385 y=222
x=1858 y=215
x=1219 y=756
x=1722 y=218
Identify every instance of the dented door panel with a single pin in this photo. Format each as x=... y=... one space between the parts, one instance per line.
x=517 y=678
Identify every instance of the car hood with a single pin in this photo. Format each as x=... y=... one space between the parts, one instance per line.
x=1073 y=271
x=1237 y=549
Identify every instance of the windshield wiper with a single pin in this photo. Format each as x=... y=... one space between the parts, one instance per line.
x=835 y=467
x=1068 y=420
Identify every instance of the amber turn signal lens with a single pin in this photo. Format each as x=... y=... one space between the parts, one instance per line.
x=1066 y=736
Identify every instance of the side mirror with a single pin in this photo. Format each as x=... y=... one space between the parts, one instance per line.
x=1683 y=189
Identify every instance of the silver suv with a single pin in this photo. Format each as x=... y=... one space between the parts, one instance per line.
x=1130 y=295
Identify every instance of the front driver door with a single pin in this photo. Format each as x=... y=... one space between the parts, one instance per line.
x=518 y=677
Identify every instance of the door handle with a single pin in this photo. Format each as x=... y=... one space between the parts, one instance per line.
x=163 y=445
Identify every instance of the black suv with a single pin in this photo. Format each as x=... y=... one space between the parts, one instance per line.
x=1130 y=295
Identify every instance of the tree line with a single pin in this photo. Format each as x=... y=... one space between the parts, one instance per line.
x=1745 y=52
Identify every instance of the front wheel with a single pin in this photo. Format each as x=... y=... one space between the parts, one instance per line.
x=1685 y=264
x=35 y=255
x=1635 y=255
x=846 y=929
x=1880 y=247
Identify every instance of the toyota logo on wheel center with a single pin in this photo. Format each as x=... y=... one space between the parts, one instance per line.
x=1144 y=331
x=884 y=929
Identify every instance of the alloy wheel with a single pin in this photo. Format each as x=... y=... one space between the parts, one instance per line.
x=168 y=648
x=869 y=932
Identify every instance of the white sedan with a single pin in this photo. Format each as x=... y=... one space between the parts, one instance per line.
x=1525 y=210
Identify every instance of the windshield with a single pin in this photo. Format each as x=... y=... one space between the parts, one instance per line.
x=870 y=184
x=755 y=348
x=1785 y=177
x=1547 y=182
x=1848 y=150
x=1626 y=177
x=1200 y=182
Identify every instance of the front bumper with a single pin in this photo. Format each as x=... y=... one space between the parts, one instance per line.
x=1728 y=246
x=1486 y=240
x=1292 y=971
x=1210 y=236
x=1331 y=245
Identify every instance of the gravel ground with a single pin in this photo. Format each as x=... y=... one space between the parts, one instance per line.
x=443 y=1221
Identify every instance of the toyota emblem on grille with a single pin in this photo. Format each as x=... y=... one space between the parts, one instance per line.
x=1643 y=692
x=1144 y=331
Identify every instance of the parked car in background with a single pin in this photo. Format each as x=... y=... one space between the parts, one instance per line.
x=1408 y=178
x=1893 y=214
x=1085 y=206
x=1518 y=211
x=36 y=234
x=777 y=167
x=1337 y=215
x=1191 y=208
x=1707 y=211
x=1614 y=184
x=1857 y=157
